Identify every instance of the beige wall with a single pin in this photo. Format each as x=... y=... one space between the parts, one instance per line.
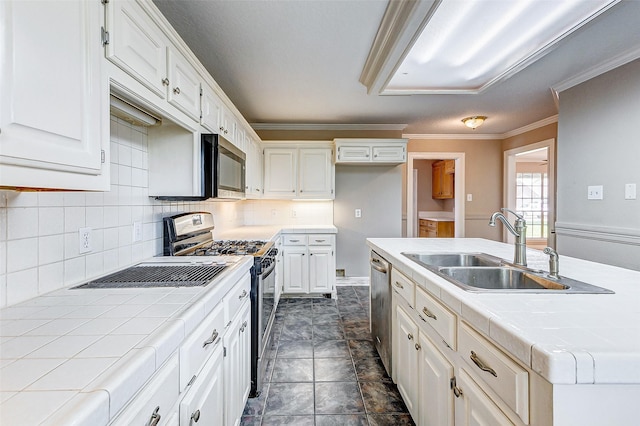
x=550 y=131
x=483 y=179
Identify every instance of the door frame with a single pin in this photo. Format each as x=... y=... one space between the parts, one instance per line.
x=509 y=179
x=459 y=189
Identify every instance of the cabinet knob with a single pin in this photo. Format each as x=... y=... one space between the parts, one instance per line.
x=176 y=90
x=244 y=294
x=410 y=336
x=196 y=416
x=221 y=128
x=165 y=81
x=418 y=347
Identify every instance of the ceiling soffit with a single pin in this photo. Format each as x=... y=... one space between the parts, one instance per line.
x=404 y=24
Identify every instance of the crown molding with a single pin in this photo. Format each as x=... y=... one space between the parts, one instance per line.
x=483 y=136
x=401 y=25
x=291 y=126
x=606 y=66
x=530 y=127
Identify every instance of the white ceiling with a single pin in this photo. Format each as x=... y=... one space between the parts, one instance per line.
x=299 y=62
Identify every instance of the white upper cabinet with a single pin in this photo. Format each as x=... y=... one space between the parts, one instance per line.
x=54 y=122
x=137 y=45
x=371 y=151
x=254 y=168
x=299 y=172
x=184 y=84
x=211 y=110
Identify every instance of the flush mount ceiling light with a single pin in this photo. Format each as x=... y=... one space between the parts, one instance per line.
x=474 y=122
x=462 y=47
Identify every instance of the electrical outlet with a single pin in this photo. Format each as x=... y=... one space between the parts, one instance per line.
x=595 y=192
x=469 y=197
x=358 y=212
x=294 y=213
x=137 y=231
x=84 y=240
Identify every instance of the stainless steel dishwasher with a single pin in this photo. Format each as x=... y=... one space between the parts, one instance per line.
x=381 y=307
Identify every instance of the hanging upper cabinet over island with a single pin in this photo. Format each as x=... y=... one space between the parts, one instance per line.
x=54 y=123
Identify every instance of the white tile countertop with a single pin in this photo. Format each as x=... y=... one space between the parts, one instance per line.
x=566 y=338
x=81 y=354
x=270 y=232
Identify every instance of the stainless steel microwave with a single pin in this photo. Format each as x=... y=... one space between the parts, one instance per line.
x=224 y=168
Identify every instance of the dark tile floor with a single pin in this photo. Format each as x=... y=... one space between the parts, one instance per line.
x=323 y=369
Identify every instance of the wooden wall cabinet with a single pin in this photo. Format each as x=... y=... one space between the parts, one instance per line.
x=442 y=179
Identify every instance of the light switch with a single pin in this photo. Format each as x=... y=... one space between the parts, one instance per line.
x=358 y=212
x=595 y=192
x=469 y=197
x=630 y=191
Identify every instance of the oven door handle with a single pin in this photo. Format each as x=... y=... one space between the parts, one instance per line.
x=268 y=271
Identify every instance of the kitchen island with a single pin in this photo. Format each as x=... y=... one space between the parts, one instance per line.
x=582 y=350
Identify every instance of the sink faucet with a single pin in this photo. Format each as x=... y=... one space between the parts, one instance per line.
x=520 y=232
x=553 y=262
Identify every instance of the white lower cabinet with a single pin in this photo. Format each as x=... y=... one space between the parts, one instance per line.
x=237 y=366
x=308 y=263
x=203 y=403
x=423 y=374
x=449 y=373
x=435 y=372
x=474 y=407
x=208 y=379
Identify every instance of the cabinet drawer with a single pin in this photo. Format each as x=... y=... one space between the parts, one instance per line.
x=200 y=344
x=160 y=393
x=320 y=240
x=295 y=240
x=236 y=297
x=503 y=375
x=431 y=225
x=437 y=316
x=403 y=286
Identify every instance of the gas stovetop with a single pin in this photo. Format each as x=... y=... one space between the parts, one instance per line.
x=231 y=247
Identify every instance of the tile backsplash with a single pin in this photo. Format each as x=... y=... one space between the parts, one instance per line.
x=39 y=231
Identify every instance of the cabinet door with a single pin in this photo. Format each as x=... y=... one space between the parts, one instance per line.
x=436 y=179
x=53 y=108
x=184 y=84
x=383 y=154
x=354 y=153
x=296 y=270
x=254 y=169
x=210 y=108
x=237 y=367
x=320 y=268
x=436 y=398
x=316 y=173
x=406 y=335
x=474 y=408
x=280 y=171
x=227 y=124
x=204 y=401
x=137 y=45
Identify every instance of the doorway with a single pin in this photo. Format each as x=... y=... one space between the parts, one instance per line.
x=414 y=187
x=530 y=190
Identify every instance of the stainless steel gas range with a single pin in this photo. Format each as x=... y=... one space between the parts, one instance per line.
x=191 y=234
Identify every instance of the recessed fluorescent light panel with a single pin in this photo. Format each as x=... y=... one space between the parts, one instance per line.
x=468 y=45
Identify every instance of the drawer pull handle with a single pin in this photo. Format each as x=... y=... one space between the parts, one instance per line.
x=320 y=241
x=243 y=295
x=429 y=313
x=294 y=241
x=410 y=336
x=176 y=90
x=196 y=416
x=244 y=326
x=155 y=417
x=477 y=361
x=165 y=81
x=212 y=339
x=399 y=285
x=418 y=347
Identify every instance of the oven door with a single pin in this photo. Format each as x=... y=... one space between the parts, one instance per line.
x=266 y=316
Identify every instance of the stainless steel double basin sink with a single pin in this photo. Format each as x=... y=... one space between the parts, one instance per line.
x=481 y=272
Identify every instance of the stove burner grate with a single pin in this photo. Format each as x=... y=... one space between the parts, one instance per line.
x=157 y=276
